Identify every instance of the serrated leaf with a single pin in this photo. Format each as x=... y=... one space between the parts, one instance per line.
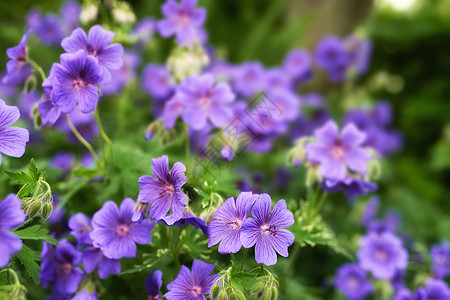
x=20 y=177
x=26 y=189
x=29 y=259
x=36 y=232
x=33 y=170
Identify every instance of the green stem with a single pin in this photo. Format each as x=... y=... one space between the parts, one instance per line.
x=103 y=133
x=82 y=140
x=312 y=203
x=243 y=260
x=37 y=68
x=321 y=201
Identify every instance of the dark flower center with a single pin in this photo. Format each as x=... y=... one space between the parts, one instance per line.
x=91 y=51
x=195 y=290
x=168 y=189
x=122 y=229
x=78 y=83
x=269 y=229
x=184 y=17
x=66 y=268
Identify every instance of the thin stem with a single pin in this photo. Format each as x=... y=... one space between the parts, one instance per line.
x=321 y=201
x=243 y=260
x=102 y=131
x=82 y=139
x=312 y=203
x=37 y=68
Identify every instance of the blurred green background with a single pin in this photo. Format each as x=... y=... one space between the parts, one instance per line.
x=410 y=67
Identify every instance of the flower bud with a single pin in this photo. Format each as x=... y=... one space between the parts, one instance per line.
x=274 y=293
x=215 y=290
x=223 y=295
x=47 y=210
x=239 y=295
x=34 y=209
x=267 y=295
x=187 y=61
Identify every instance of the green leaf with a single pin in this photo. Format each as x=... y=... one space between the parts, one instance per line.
x=20 y=177
x=36 y=232
x=33 y=170
x=26 y=189
x=29 y=259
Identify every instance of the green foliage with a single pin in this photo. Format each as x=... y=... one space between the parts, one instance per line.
x=30 y=259
x=36 y=232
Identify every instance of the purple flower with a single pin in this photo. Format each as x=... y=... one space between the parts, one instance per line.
x=63 y=161
x=360 y=52
x=164 y=191
x=156 y=81
x=331 y=54
x=85 y=295
x=186 y=219
x=435 y=289
x=47 y=28
x=153 y=284
x=297 y=64
x=75 y=81
x=249 y=79
x=440 y=255
x=70 y=15
x=370 y=211
x=265 y=230
x=80 y=226
x=115 y=233
x=352 y=281
x=122 y=76
x=144 y=30
x=12 y=139
x=96 y=44
x=11 y=216
x=49 y=112
x=205 y=100
x=18 y=69
x=382 y=254
x=227 y=223
x=276 y=79
x=183 y=20
x=60 y=266
x=192 y=285
x=403 y=294
x=351 y=187
x=95 y=258
x=335 y=152
x=172 y=110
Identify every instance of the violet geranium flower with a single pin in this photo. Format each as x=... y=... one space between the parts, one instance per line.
x=97 y=44
x=336 y=152
x=182 y=19
x=186 y=219
x=440 y=255
x=80 y=226
x=205 y=100
x=11 y=216
x=192 y=285
x=352 y=281
x=115 y=233
x=95 y=258
x=61 y=267
x=266 y=230
x=153 y=284
x=18 y=69
x=164 y=191
x=75 y=82
x=434 y=289
x=12 y=139
x=227 y=223
x=382 y=254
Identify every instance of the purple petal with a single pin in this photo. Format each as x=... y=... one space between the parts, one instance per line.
x=357 y=159
x=11 y=214
x=141 y=233
x=281 y=216
x=99 y=38
x=160 y=168
x=351 y=136
x=8 y=114
x=250 y=232
x=244 y=203
x=264 y=252
x=76 y=41
x=13 y=141
x=261 y=209
x=283 y=239
x=111 y=57
x=327 y=134
x=9 y=244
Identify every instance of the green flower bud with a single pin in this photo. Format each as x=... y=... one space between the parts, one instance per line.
x=267 y=295
x=47 y=210
x=34 y=209
x=274 y=293
x=215 y=290
x=239 y=295
x=223 y=295
x=258 y=286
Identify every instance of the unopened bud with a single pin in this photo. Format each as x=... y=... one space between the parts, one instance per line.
x=223 y=295
x=274 y=293
x=258 y=287
x=239 y=295
x=267 y=294
x=47 y=210
x=34 y=209
x=215 y=290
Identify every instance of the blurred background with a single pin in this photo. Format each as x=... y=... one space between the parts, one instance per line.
x=410 y=67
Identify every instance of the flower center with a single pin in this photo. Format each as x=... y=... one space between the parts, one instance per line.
x=353 y=282
x=381 y=255
x=66 y=268
x=337 y=152
x=441 y=259
x=269 y=229
x=168 y=189
x=91 y=51
x=78 y=83
x=122 y=229
x=195 y=290
x=236 y=224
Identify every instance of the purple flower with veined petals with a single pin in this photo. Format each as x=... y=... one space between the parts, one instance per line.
x=266 y=230
x=94 y=258
x=63 y=161
x=192 y=285
x=75 y=82
x=440 y=255
x=61 y=267
x=153 y=284
x=249 y=79
x=352 y=281
x=81 y=227
x=382 y=254
x=164 y=191
x=11 y=216
x=435 y=289
x=336 y=152
x=227 y=223
x=182 y=19
x=12 y=139
x=156 y=81
x=186 y=219
x=205 y=100
x=18 y=69
x=115 y=233
x=49 y=112
x=96 y=43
